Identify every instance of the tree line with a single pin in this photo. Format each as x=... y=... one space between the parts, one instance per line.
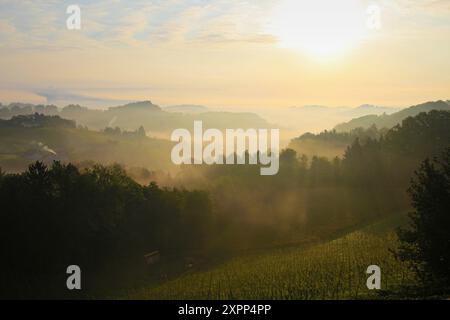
x=56 y=216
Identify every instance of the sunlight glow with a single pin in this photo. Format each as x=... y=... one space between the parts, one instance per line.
x=321 y=28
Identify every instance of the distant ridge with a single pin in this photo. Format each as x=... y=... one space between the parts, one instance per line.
x=389 y=121
x=132 y=116
x=362 y=110
x=186 y=108
x=140 y=105
x=369 y=109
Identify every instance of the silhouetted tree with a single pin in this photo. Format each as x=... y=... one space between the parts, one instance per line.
x=426 y=244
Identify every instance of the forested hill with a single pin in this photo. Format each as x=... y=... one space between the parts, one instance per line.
x=37 y=137
x=37 y=121
x=389 y=121
x=332 y=144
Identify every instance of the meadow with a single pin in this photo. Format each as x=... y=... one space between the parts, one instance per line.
x=330 y=270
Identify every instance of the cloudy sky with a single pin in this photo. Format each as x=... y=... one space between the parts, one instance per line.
x=227 y=53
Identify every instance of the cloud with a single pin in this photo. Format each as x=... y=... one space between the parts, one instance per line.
x=28 y=24
x=6 y=27
x=435 y=5
x=434 y=8
x=132 y=23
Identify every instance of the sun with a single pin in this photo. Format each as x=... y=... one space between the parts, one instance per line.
x=321 y=28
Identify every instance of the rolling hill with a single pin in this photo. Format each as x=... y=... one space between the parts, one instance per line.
x=389 y=121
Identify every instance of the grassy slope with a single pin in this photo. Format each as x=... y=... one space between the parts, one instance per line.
x=78 y=145
x=332 y=270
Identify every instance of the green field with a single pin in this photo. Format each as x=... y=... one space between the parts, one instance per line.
x=331 y=270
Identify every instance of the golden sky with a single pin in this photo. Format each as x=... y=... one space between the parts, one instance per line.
x=243 y=54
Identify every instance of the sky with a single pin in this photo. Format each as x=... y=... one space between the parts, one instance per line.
x=226 y=53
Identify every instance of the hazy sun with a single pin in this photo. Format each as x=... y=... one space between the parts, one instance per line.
x=322 y=28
